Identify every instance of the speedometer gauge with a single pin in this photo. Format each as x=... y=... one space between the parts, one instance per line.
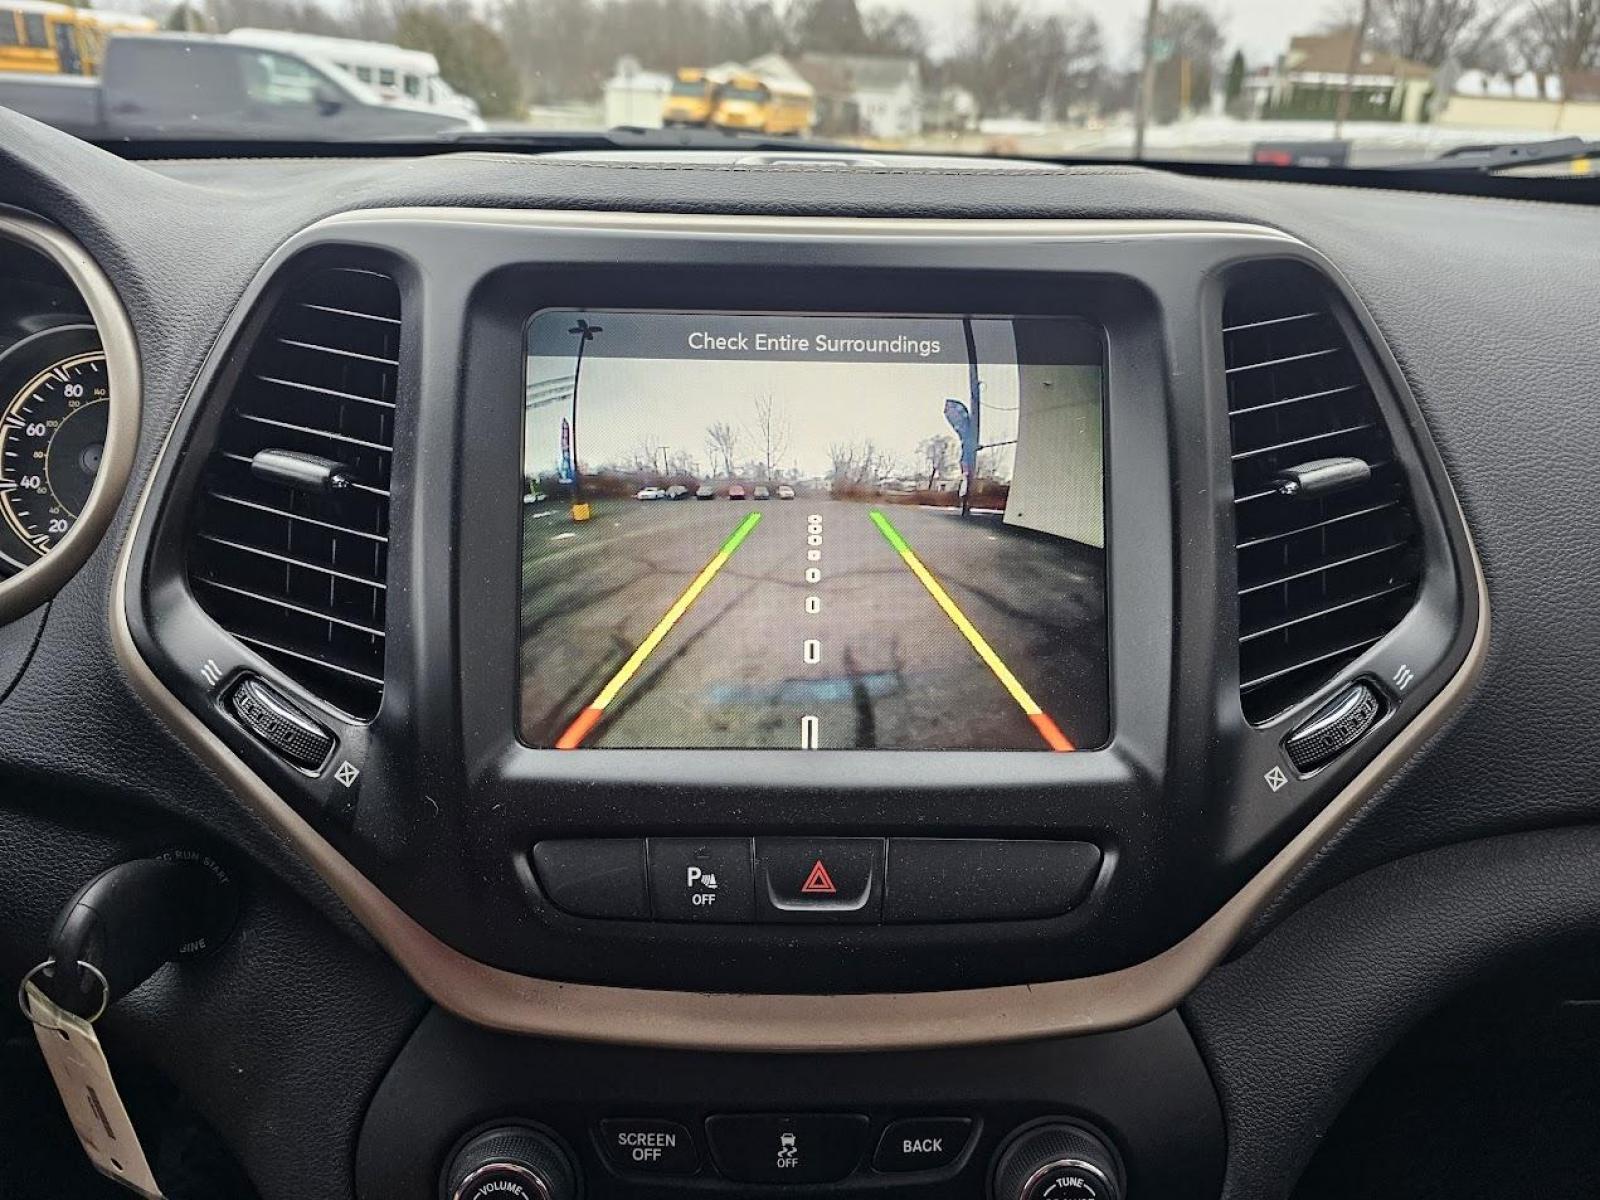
x=52 y=434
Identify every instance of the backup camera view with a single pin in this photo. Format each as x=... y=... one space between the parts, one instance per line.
x=812 y=532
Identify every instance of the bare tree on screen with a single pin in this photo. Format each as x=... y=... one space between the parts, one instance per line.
x=935 y=452
x=722 y=446
x=770 y=430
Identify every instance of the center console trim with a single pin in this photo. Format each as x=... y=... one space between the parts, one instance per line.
x=499 y=999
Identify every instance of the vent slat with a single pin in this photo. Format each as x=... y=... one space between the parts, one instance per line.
x=261 y=643
x=1301 y=316
x=349 y=312
x=290 y=562
x=294 y=516
x=325 y=391
x=1347 y=651
x=1301 y=443
x=1322 y=568
x=1299 y=529
x=1320 y=579
x=313 y=431
x=1286 y=361
x=270 y=600
x=1320 y=613
x=1284 y=403
x=302 y=577
x=320 y=349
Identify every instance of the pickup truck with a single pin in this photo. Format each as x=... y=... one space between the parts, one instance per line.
x=197 y=86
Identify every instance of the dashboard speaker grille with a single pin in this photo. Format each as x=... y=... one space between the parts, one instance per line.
x=1321 y=578
x=297 y=573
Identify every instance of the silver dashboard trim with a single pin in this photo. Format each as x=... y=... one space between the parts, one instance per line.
x=42 y=579
x=502 y=1000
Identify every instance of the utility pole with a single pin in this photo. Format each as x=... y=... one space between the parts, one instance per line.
x=585 y=333
x=1145 y=101
x=1343 y=112
x=969 y=453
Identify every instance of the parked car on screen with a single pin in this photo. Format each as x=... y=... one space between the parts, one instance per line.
x=736 y=492
x=677 y=492
x=785 y=492
x=706 y=492
x=761 y=492
x=649 y=493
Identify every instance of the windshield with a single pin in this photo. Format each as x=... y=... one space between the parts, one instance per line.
x=1295 y=83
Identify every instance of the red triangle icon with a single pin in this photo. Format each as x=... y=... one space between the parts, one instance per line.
x=819 y=882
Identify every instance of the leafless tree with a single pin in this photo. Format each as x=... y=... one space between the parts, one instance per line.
x=770 y=431
x=1431 y=32
x=1559 y=37
x=722 y=445
x=936 y=452
x=650 y=455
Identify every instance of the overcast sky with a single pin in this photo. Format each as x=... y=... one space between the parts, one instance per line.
x=1261 y=27
x=626 y=402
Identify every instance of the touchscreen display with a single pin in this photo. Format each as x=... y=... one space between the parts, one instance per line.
x=812 y=532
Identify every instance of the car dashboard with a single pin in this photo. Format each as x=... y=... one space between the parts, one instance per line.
x=713 y=675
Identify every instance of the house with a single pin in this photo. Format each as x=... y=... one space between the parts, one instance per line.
x=1527 y=104
x=871 y=95
x=633 y=95
x=1310 y=77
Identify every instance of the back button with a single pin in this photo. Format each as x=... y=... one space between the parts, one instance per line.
x=921 y=1144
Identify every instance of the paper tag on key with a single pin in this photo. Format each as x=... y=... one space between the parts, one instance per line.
x=83 y=1077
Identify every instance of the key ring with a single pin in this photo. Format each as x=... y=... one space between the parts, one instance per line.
x=105 y=989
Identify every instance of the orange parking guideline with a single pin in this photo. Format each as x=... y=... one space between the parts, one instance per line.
x=590 y=716
x=1047 y=728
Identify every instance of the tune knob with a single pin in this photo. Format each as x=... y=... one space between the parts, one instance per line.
x=1058 y=1162
x=512 y=1163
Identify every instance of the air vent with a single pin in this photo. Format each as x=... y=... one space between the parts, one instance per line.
x=1321 y=576
x=297 y=571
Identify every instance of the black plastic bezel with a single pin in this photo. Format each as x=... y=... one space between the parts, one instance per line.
x=449 y=802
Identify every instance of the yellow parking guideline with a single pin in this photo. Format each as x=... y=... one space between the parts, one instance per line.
x=1041 y=720
x=590 y=716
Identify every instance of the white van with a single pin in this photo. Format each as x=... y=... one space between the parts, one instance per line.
x=401 y=77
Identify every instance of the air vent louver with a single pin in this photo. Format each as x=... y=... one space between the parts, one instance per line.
x=1320 y=578
x=300 y=576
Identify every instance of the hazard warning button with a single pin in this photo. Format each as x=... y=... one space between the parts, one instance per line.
x=819 y=879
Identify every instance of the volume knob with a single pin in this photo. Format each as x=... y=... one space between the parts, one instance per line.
x=512 y=1163
x=1058 y=1162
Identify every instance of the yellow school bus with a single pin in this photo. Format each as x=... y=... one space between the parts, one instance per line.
x=96 y=26
x=750 y=104
x=40 y=38
x=690 y=101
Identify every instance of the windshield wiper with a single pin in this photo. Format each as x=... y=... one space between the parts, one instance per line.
x=1500 y=156
x=629 y=137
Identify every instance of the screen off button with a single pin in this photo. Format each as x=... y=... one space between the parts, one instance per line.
x=648 y=1146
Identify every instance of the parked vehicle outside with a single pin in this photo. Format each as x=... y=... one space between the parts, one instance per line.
x=201 y=86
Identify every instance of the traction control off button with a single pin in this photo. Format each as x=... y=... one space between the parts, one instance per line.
x=921 y=1144
x=648 y=1145
x=792 y=1148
